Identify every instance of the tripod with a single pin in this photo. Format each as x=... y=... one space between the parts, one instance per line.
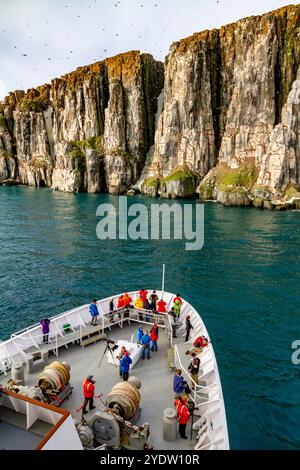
x=107 y=348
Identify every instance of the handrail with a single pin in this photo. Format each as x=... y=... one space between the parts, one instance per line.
x=221 y=439
x=197 y=387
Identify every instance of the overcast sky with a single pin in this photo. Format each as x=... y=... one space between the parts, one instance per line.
x=44 y=39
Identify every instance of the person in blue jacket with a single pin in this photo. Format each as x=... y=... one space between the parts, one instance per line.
x=146 y=345
x=139 y=335
x=94 y=312
x=125 y=365
x=180 y=386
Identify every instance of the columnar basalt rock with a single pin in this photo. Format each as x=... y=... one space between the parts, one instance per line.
x=224 y=95
x=88 y=131
x=220 y=119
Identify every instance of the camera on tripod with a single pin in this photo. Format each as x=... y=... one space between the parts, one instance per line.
x=111 y=344
x=110 y=347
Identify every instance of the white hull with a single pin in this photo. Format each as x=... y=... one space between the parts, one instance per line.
x=211 y=428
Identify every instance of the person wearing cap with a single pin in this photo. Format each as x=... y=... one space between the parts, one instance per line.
x=88 y=392
x=94 y=312
x=125 y=365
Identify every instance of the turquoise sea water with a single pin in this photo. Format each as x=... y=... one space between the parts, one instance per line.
x=245 y=282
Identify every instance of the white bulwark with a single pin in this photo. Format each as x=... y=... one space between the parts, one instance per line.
x=71 y=333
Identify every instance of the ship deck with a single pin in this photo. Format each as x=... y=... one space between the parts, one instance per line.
x=155 y=375
x=210 y=427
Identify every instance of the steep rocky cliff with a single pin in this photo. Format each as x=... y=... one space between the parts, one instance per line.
x=231 y=113
x=88 y=131
x=220 y=120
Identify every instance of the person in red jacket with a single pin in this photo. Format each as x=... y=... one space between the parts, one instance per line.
x=88 y=392
x=161 y=306
x=177 y=298
x=143 y=294
x=154 y=337
x=120 y=302
x=199 y=344
x=183 y=415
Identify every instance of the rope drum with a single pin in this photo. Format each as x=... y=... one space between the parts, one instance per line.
x=125 y=397
x=55 y=376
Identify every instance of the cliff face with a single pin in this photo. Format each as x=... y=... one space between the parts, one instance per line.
x=230 y=112
x=88 y=131
x=221 y=120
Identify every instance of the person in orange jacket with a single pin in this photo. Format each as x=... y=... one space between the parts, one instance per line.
x=88 y=392
x=127 y=304
x=127 y=299
x=183 y=415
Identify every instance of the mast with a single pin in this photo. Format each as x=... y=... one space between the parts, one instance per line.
x=163 y=280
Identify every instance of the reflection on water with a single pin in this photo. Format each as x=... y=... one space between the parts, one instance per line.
x=245 y=282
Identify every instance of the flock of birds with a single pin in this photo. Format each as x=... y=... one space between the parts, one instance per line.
x=70 y=53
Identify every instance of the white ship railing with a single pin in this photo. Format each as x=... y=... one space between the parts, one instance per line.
x=27 y=341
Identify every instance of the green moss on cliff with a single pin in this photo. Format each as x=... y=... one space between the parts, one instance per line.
x=152 y=183
x=243 y=176
x=94 y=143
x=36 y=100
x=205 y=191
x=292 y=190
x=34 y=104
x=180 y=174
x=77 y=154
